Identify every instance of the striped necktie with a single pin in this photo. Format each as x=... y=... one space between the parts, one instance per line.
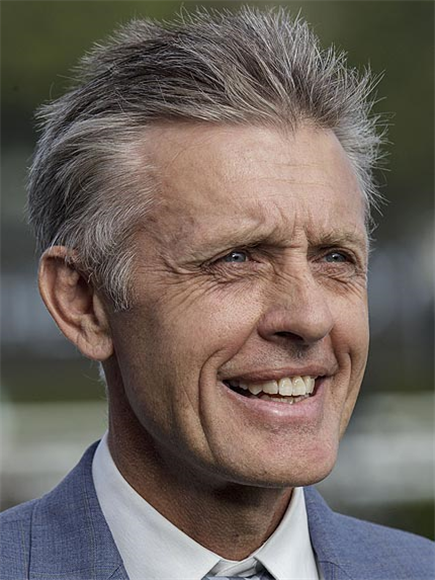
x=263 y=575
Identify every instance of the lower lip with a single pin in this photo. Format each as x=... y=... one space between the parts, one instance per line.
x=305 y=411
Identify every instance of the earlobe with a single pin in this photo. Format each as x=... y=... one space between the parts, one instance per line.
x=76 y=307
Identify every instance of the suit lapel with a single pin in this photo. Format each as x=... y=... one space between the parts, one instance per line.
x=326 y=538
x=70 y=537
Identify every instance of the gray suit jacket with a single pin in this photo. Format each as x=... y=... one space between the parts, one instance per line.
x=64 y=536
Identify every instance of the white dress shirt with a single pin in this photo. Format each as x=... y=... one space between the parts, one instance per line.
x=152 y=548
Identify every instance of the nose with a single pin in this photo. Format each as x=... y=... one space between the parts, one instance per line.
x=298 y=311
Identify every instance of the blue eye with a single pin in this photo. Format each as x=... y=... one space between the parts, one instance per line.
x=336 y=257
x=236 y=257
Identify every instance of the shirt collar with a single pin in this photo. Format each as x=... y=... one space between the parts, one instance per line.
x=152 y=547
x=288 y=552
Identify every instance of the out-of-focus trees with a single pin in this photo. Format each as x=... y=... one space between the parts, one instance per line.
x=43 y=40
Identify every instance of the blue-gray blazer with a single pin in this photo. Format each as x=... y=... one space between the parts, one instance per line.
x=64 y=536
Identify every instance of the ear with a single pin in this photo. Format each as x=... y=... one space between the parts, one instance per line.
x=76 y=307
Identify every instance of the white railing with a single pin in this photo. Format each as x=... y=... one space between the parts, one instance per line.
x=386 y=456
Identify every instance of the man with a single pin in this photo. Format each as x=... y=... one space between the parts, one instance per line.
x=202 y=203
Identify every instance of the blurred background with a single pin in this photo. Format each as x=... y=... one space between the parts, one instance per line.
x=52 y=403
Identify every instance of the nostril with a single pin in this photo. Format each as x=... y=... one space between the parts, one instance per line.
x=306 y=324
x=286 y=334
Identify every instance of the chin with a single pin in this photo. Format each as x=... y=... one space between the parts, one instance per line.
x=302 y=475
x=302 y=468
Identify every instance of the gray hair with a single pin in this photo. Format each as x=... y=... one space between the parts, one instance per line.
x=88 y=188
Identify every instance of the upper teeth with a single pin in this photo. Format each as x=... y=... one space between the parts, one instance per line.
x=288 y=386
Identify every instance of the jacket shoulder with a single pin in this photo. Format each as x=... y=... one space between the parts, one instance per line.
x=382 y=537
x=62 y=535
x=392 y=550
x=15 y=526
x=365 y=550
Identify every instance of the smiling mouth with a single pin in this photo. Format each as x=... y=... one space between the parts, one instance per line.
x=288 y=390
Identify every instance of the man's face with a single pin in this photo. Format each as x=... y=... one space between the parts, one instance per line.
x=250 y=274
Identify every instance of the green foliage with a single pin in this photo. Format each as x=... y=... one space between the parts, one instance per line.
x=43 y=40
x=416 y=517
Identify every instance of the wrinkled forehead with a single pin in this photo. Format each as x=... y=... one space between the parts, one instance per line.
x=195 y=151
x=254 y=174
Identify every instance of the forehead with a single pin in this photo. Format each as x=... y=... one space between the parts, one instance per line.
x=258 y=178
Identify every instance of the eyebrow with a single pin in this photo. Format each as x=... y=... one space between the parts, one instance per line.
x=227 y=239
x=257 y=235
x=338 y=238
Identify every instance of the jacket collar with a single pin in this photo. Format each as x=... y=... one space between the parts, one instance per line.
x=324 y=532
x=79 y=545
x=347 y=548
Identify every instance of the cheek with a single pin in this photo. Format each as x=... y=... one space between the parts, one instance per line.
x=162 y=349
x=219 y=321
x=359 y=337
x=351 y=345
x=351 y=327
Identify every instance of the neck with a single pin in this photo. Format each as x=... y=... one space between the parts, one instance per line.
x=230 y=519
